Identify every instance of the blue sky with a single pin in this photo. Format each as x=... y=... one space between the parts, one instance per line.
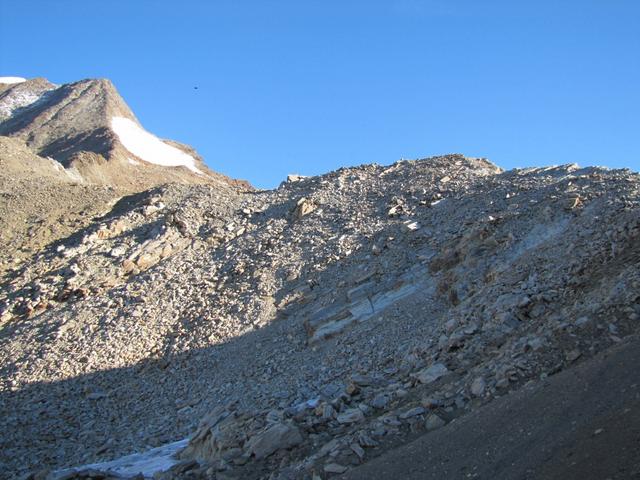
x=309 y=86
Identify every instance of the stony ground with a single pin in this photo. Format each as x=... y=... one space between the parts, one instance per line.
x=41 y=202
x=298 y=332
x=583 y=423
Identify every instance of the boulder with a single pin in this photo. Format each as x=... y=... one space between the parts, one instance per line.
x=276 y=437
x=432 y=373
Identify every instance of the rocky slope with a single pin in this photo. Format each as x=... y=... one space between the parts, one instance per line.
x=41 y=201
x=298 y=332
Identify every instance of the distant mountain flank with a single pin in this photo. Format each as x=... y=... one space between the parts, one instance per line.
x=88 y=128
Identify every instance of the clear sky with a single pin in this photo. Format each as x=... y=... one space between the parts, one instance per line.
x=309 y=86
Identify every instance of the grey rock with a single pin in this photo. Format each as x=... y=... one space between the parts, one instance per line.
x=366 y=441
x=431 y=403
x=432 y=373
x=327 y=412
x=478 y=386
x=412 y=413
x=276 y=437
x=433 y=422
x=352 y=415
x=380 y=401
x=329 y=447
x=361 y=380
x=582 y=321
x=335 y=468
x=357 y=449
x=573 y=355
x=400 y=393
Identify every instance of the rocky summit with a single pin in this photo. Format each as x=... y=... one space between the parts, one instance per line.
x=197 y=328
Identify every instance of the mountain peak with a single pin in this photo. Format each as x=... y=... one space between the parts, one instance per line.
x=87 y=126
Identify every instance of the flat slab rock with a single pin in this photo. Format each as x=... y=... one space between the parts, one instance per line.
x=276 y=437
x=432 y=373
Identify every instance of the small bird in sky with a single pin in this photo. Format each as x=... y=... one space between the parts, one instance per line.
x=195 y=88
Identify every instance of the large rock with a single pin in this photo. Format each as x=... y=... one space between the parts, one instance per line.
x=353 y=415
x=276 y=437
x=218 y=432
x=432 y=373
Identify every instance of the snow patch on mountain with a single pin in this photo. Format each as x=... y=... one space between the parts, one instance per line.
x=148 y=147
x=16 y=99
x=10 y=80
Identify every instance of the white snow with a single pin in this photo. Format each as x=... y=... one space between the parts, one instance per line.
x=155 y=460
x=150 y=148
x=133 y=162
x=8 y=80
x=16 y=100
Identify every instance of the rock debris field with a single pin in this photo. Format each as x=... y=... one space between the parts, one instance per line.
x=302 y=331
